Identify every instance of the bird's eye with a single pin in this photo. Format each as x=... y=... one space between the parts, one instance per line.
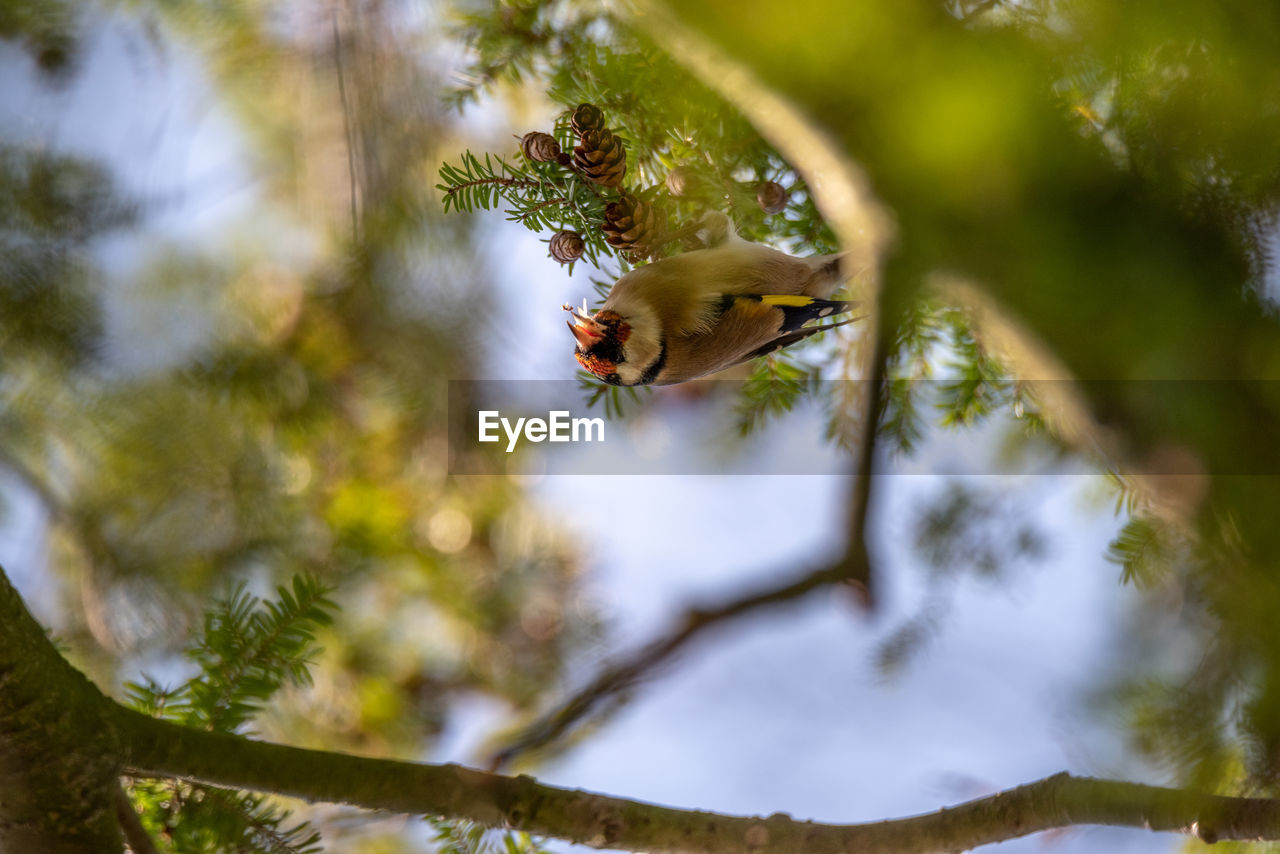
x=596 y=365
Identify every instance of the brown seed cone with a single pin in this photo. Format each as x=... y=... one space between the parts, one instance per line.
x=540 y=147
x=566 y=246
x=630 y=224
x=601 y=157
x=772 y=197
x=587 y=117
x=688 y=181
x=684 y=181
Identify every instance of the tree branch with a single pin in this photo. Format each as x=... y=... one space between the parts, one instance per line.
x=59 y=761
x=843 y=192
x=501 y=182
x=135 y=835
x=629 y=670
x=159 y=748
x=978 y=10
x=855 y=565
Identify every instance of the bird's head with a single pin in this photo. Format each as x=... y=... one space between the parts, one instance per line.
x=613 y=347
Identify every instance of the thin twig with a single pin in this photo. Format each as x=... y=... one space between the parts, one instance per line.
x=346 y=124
x=558 y=200
x=688 y=230
x=854 y=567
x=980 y=9
x=135 y=835
x=856 y=562
x=627 y=671
x=503 y=182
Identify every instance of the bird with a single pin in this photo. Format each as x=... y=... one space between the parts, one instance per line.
x=689 y=315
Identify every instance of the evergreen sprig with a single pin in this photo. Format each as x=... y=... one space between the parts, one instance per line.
x=511 y=41
x=465 y=837
x=1146 y=548
x=981 y=384
x=250 y=649
x=901 y=421
x=188 y=818
x=539 y=196
x=616 y=400
x=920 y=337
x=777 y=383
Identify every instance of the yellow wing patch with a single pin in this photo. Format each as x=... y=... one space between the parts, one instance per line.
x=786 y=299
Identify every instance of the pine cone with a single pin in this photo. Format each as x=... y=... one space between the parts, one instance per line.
x=601 y=157
x=540 y=147
x=684 y=181
x=566 y=246
x=630 y=224
x=587 y=117
x=772 y=197
x=687 y=181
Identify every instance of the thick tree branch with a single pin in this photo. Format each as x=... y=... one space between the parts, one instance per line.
x=58 y=758
x=162 y=749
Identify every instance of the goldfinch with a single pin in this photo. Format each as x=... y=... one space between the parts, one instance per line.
x=690 y=315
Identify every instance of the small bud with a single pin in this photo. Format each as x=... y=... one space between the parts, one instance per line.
x=771 y=197
x=566 y=246
x=684 y=181
x=586 y=117
x=540 y=147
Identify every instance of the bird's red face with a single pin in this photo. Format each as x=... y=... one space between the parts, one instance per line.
x=600 y=340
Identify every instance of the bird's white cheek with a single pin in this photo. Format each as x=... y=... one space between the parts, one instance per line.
x=628 y=374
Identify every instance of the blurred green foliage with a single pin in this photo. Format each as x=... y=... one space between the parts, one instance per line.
x=51 y=208
x=46 y=30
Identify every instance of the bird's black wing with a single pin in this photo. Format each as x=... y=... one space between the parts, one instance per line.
x=787 y=339
x=797 y=309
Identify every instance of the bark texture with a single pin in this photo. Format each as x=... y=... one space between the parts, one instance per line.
x=59 y=760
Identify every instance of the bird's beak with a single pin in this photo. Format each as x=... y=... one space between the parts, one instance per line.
x=584 y=328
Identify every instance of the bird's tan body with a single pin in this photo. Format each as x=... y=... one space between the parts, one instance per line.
x=701 y=336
